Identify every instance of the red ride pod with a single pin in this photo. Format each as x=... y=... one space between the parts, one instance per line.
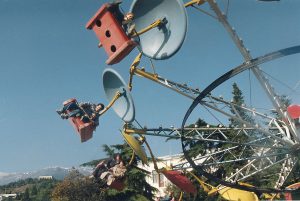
x=118 y=185
x=85 y=130
x=111 y=34
x=180 y=181
x=289 y=196
x=294 y=111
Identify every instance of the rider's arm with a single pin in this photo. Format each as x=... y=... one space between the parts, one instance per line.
x=99 y=166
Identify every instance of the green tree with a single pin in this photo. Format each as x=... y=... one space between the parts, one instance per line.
x=238 y=102
x=26 y=196
x=135 y=178
x=34 y=190
x=195 y=147
x=76 y=187
x=237 y=109
x=37 y=190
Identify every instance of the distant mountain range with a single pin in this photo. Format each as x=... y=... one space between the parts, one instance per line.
x=57 y=172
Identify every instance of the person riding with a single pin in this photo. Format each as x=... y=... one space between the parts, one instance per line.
x=86 y=111
x=124 y=20
x=109 y=170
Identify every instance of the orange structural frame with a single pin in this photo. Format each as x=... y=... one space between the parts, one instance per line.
x=111 y=34
x=85 y=130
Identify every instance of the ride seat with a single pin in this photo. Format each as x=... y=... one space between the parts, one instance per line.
x=111 y=34
x=85 y=130
x=180 y=181
x=294 y=195
x=294 y=111
x=118 y=185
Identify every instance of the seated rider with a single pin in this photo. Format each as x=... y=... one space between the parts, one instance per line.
x=128 y=24
x=109 y=170
x=124 y=20
x=86 y=111
x=117 y=171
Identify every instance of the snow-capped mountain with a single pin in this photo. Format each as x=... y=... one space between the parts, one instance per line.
x=57 y=172
x=2 y=174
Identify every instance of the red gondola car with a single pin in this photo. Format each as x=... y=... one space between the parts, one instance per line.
x=118 y=185
x=180 y=181
x=85 y=130
x=295 y=195
x=111 y=34
x=294 y=111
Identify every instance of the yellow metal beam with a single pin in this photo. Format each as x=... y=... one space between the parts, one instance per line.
x=117 y=95
x=135 y=146
x=134 y=70
x=134 y=131
x=191 y=3
x=143 y=73
x=204 y=185
x=151 y=26
x=181 y=196
x=133 y=66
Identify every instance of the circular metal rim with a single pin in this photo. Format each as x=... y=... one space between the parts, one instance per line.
x=233 y=72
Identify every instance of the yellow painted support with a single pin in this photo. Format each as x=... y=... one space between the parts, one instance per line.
x=152 y=156
x=128 y=132
x=132 y=158
x=227 y=193
x=212 y=192
x=234 y=194
x=191 y=3
x=145 y=74
x=181 y=196
x=136 y=71
x=115 y=98
x=135 y=146
x=134 y=131
x=151 y=26
x=202 y=183
x=133 y=66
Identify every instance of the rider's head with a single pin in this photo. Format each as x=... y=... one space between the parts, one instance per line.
x=99 y=107
x=128 y=16
x=118 y=157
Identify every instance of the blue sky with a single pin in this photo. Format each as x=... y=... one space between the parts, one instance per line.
x=47 y=56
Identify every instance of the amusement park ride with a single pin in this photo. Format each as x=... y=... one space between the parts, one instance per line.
x=257 y=143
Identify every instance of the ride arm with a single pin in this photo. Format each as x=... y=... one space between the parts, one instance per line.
x=181 y=196
x=140 y=132
x=133 y=131
x=132 y=69
x=206 y=187
x=156 y=23
x=131 y=159
x=115 y=98
x=191 y=3
x=152 y=156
